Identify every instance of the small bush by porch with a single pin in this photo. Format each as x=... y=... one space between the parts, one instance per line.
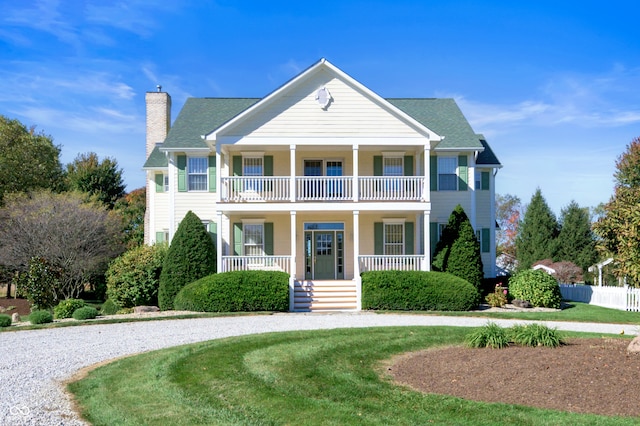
x=417 y=291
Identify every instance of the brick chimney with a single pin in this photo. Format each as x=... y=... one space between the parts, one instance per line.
x=158 y=124
x=158 y=117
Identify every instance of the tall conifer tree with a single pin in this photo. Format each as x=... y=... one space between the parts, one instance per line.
x=538 y=232
x=576 y=242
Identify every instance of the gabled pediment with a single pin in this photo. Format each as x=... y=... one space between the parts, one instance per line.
x=323 y=101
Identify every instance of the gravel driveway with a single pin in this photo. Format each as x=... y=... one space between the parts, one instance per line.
x=36 y=362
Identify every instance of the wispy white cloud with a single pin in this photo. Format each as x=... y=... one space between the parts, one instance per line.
x=588 y=101
x=44 y=16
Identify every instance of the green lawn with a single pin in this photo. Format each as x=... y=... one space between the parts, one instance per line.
x=330 y=377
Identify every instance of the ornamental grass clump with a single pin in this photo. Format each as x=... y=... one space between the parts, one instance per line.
x=490 y=335
x=536 y=335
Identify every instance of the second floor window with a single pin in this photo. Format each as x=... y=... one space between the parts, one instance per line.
x=392 y=166
x=252 y=166
x=197 y=168
x=447 y=177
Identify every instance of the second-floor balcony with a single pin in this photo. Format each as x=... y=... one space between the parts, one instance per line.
x=321 y=188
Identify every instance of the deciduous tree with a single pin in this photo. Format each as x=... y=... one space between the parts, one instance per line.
x=102 y=179
x=69 y=233
x=537 y=233
x=28 y=160
x=131 y=208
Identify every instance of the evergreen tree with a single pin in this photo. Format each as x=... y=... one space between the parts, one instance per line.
x=191 y=256
x=576 y=242
x=458 y=251
x=538 y=232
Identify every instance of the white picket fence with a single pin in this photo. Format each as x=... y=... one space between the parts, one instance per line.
x=623 y=298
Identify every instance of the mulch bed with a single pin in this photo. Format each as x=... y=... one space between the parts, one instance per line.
x=585 y=376
x=21 y=306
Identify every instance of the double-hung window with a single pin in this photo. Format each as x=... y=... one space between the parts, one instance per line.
x=393 y=239
x=447 y=176
x=253 y=239
x=253 y=171
x=198 y=173
x=392 y=166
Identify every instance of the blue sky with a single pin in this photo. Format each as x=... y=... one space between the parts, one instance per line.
x=554 y=86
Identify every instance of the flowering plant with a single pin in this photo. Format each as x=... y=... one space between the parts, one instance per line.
x=499 y=296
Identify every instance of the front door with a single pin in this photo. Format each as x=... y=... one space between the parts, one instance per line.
x=325 y=258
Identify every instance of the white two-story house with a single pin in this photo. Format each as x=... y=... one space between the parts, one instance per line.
x=322 y=179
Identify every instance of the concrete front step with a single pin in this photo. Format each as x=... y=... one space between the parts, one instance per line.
x=318 y=296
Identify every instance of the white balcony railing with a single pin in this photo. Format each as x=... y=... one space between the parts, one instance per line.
x=407 y=188
x=324 y=188
x=256 y=263
x=388 y=263
x=321 y=188
x=255 y=189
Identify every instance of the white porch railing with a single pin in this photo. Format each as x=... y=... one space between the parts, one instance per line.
x=255 y=188
x=388 y=263
x=623 y=298
x=324 y=188
x=408 y=188
x=256 y=263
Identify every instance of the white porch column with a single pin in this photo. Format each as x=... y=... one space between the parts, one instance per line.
x=219 y=248
x=292 y=272
x=219 y=188
x=356 y=173
x=472 y=189
x=426 y=238
x=426 y=166
x=173 y=187
x=356 y=255
x=292 y=173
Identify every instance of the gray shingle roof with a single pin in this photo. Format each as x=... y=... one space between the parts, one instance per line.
x=200 y=116
x=443 y=117
x=156 y=159
x=487 y=157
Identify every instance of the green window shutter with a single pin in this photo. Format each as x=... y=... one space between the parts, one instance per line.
x=484 y=181
x=463 y=173
x=486 y=241
x=160 y=237
x=159 y=177
x=433 y=173
x=212 y=173
x=268 y=165
x=213 y=233
x=237 y=165
x=378 y=238
x=237 y=239
x=268 y=238
x=408 y=238
x=408 y=165
x=182 y=173
x=377 y=165
x=433 y=236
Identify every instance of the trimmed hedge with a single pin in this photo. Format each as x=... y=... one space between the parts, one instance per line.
x=84 y=313
x=40 y=317
x=67 y=307
x=536 y=286
x=109 y=307
x=5 y=320
x=417 y=291
x=239 y=291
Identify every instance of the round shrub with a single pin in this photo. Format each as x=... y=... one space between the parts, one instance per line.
x=417 y=291
x=40 y=317
x=134 y=277
x=109 y=307
x=86 y=312
x=5 y=320
x=67 y=307
x=536 y=286
x=239 y=291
